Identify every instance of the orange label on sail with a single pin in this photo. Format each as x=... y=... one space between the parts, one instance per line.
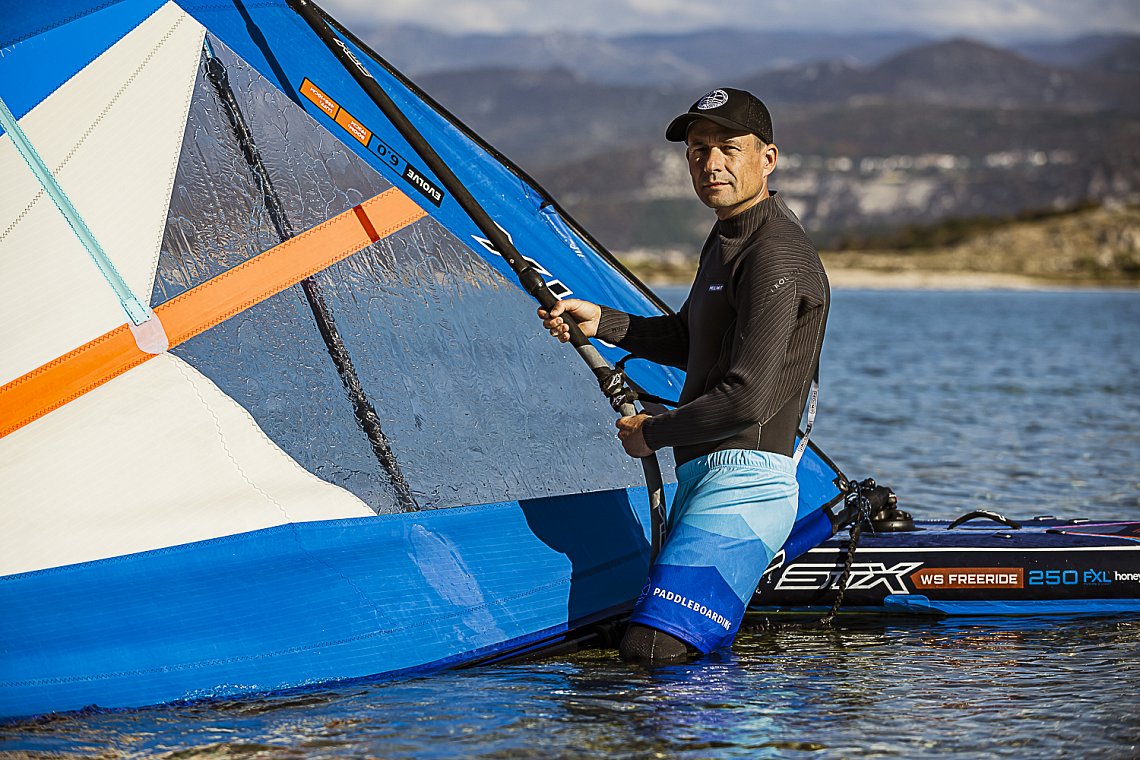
x=968 y=577
x=322 y=101
x=354 y=127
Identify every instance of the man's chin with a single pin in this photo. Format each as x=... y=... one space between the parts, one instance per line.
x=716 y=200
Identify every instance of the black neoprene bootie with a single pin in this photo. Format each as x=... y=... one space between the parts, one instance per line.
x=644 y=644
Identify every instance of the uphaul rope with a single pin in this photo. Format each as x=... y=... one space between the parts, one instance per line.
x=145 y=328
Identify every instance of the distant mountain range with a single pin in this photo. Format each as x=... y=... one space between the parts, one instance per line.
x=957 y=72
x=682 y=59
x=694 y=58
x=876 y=131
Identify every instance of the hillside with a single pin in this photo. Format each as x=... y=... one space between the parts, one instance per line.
x=939 y=131
x=657 y=60
x=876 y=132
x=1098 y=246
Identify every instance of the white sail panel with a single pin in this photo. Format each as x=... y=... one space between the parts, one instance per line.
x=112 y=136
x=158 y=456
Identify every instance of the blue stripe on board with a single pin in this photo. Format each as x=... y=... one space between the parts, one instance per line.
x=311 y=602
x=921 y=605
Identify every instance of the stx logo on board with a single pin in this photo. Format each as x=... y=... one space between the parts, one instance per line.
x=864 y=575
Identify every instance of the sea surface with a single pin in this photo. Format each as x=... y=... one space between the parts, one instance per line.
x=1026 y=403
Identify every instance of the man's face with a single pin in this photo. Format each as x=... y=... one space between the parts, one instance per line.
x=729 y=168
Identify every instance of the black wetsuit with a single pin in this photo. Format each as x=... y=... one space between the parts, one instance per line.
x=748 y=337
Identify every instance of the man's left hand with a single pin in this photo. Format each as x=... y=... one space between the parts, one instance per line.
x=632 y=437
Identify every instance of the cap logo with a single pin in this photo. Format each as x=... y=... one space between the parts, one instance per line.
x=714 y=99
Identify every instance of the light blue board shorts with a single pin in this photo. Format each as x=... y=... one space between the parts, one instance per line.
x=732 y=512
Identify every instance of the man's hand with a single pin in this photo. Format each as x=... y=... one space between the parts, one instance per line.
x=632 y=438
x=586 y=314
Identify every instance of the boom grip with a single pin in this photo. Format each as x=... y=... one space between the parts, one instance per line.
x=534 y=284
x=578 y=338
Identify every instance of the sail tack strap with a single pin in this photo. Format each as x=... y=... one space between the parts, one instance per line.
x=77 y=372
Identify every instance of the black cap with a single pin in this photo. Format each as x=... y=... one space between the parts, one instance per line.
x=735 y=109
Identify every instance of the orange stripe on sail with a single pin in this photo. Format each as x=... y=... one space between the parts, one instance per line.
x=68 y=377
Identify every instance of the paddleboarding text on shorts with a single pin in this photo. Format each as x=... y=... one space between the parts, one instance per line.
x=697 y=607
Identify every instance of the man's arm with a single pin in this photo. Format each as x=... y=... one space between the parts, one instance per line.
x=662 y=340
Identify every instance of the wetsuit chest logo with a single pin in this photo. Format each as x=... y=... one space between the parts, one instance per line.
x=716 y=287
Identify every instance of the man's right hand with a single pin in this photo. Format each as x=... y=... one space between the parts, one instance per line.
x=586 y=314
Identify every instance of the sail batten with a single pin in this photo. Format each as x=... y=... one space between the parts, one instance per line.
x=69 y=376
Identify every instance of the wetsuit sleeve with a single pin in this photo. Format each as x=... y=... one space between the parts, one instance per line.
x=662 y=340
x=767 y=302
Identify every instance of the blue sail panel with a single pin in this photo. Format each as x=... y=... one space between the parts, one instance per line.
x=315 y=602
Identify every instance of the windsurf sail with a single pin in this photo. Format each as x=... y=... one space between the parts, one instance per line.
x=611 y=381
x=356 y=395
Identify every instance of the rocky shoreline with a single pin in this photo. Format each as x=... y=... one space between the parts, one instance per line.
x=1098 y=247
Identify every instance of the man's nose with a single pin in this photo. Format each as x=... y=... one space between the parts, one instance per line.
x=715 y=160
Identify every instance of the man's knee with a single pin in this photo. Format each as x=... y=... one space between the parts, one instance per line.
x=644 y=644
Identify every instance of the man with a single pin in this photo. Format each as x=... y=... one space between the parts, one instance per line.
x=749 y=338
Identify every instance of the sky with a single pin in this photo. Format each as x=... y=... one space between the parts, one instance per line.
x=987 y=20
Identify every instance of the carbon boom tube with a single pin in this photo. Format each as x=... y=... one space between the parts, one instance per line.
x=612 y=382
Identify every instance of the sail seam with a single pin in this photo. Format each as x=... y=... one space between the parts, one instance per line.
x=225 y=447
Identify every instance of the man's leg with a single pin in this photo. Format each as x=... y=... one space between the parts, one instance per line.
x=734 y=509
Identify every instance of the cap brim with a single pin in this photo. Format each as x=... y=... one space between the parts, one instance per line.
x=678 y=129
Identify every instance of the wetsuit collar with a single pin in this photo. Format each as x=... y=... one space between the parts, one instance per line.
x=733 y=233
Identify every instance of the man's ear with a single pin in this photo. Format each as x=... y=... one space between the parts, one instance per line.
x=771 y=156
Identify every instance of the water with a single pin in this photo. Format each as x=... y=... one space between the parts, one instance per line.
x=1027 y=403
x=1022 y=402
